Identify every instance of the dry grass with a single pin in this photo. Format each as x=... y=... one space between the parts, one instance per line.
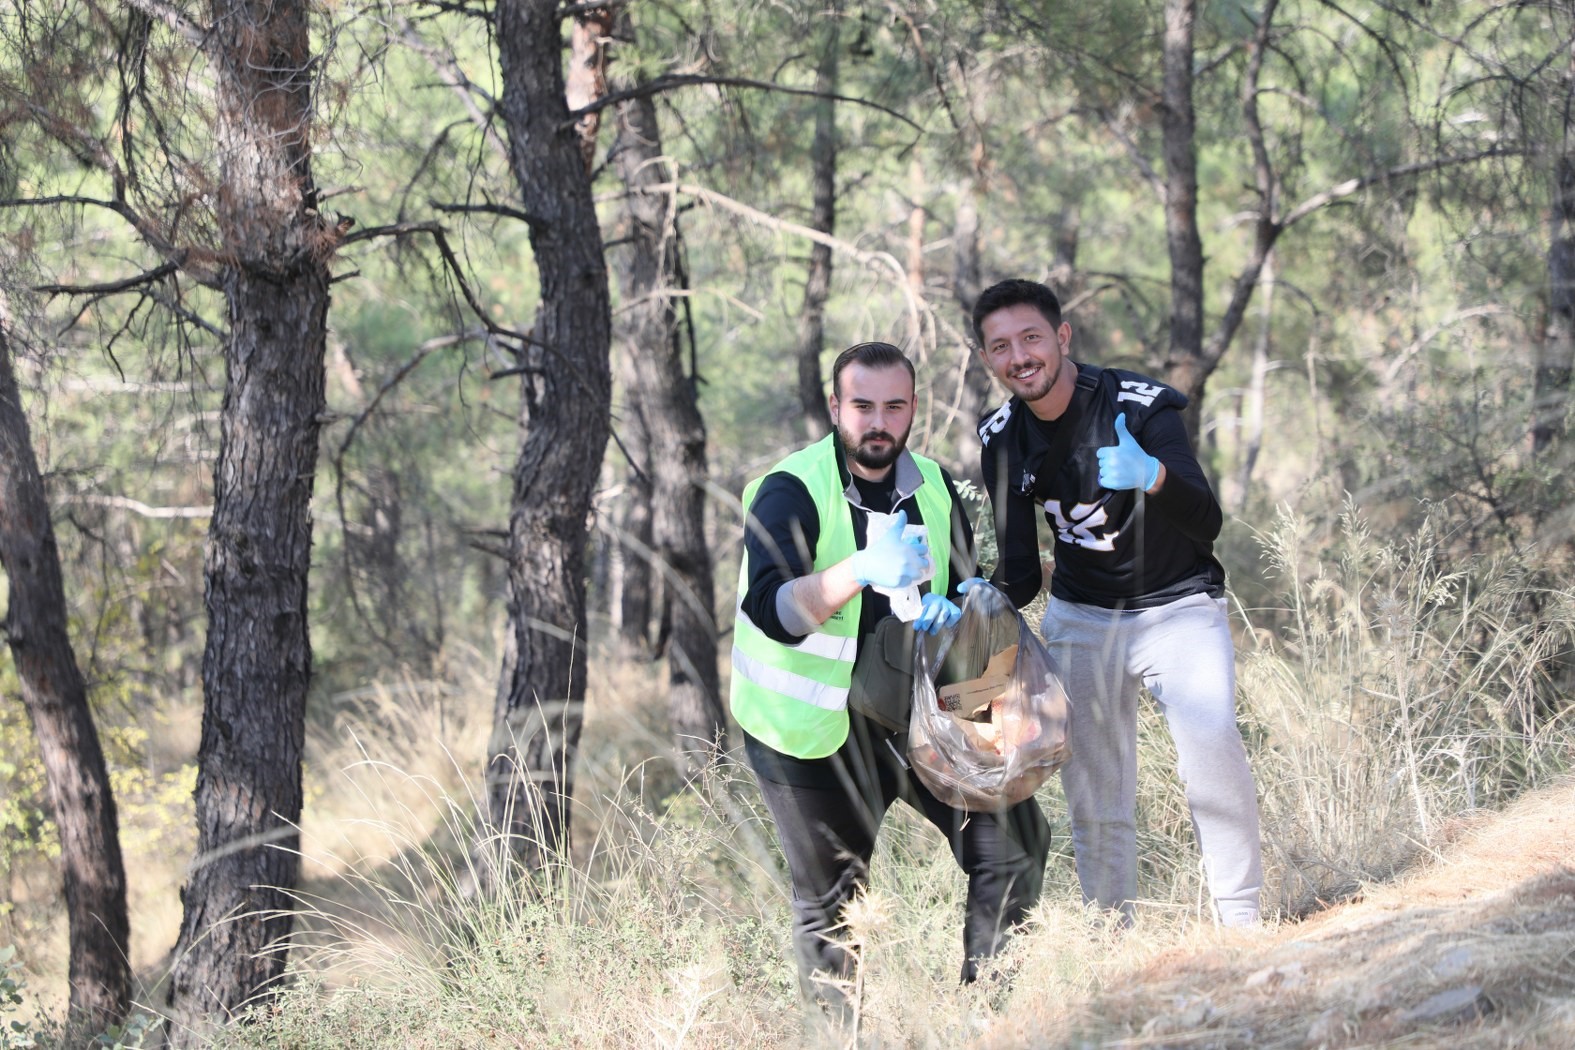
x=1386 y=724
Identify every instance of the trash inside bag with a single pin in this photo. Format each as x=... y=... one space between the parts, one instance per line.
x=994 y=728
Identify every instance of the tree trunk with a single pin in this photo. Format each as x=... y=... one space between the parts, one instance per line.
x=967 y=284
x=634 y=587
x=1184 y=366
x=676 y=432
x=55 y=696
x=257 y=661
x=564 y=413
x=817 y=282
x=915 y=263
x=1556 y=354
x=1251 y=436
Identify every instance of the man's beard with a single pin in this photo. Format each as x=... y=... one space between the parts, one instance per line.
x=861 y=452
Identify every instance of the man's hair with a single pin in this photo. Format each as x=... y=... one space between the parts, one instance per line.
x=870 y=355
x=1015 y=292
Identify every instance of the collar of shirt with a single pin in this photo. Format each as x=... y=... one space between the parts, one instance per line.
x=908 y=478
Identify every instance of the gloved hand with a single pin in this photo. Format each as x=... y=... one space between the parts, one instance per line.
x=1125 y=465
x=889 y=560
x=970 y=583
x=939 y=611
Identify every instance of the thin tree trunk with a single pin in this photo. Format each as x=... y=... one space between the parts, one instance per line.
x=967 y=284
x=1184 y=366
x=916 y=190
x=636 y=588
x=565 y=406
x=1556 y=353
x=651 y=267
x=635 y=584
x=1252 y=424
x=257 y=662
x=817 y=282
x=55 y=696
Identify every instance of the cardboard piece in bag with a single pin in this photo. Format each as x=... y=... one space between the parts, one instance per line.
x=968 y=698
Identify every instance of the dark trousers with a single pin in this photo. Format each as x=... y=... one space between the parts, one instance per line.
x=828 y=812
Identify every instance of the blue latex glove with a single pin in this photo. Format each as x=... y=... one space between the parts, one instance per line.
x=939 y=611
x=970 y=583
x=889 y=560
x=1125 y=465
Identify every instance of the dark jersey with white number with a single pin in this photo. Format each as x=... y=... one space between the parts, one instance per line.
x=1116 y=550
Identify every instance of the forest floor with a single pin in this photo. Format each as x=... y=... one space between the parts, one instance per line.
x=1474 y=949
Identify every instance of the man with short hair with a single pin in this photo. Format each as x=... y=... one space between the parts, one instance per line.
x=832 y=532
x=1137 y=597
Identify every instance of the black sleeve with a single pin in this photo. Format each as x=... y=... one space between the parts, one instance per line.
x=963 y=564
x=780 y=534
x=1186 y=501
x=1018 y=571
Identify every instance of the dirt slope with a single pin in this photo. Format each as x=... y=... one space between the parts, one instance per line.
x=1475 y=950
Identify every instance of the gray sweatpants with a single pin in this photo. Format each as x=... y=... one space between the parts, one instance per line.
x=1183 y=653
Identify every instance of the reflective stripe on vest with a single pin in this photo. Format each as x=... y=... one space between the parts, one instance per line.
x=794 y=698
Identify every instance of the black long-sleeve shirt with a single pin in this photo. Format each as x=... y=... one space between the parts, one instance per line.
x=1113 y=549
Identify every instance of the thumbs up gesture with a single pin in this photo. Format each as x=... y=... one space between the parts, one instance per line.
x=1125 y=465
x=890 y=559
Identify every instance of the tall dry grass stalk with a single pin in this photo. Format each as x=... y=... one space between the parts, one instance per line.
x=1404 y=688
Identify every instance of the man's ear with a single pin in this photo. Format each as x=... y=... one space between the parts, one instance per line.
x=1063 y=336
x=831 y=407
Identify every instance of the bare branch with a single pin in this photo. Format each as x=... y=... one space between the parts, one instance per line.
x=110 y=287
x=461 y=7
x=678 y=80
x=421 y=354
x=448 y=70
x=1155 y=181
x=882 y=260
x=139 y=508
x=534 y=222
x=1401 y=171
x=162 y=12
x=1398 y=361
x=440 y=238
x=45 y=202
x=191 y=316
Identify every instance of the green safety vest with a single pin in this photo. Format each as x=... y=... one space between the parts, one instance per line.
x=794 y=698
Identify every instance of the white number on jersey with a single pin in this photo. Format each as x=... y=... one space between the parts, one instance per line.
x=996 y=423
x=1144 y=393
x=1077 y=526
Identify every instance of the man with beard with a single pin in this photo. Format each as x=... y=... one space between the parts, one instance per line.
x=1137 y=598
x=832 y=531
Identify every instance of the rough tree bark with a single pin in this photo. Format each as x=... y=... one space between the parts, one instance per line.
x=273 y=269
x=1556 y=353
x=635 y=592
x=817 y=282
x=632 y=593
x=651 y=267
x=1251 y=439
x=565 y=405
x=1184 y=365
x=53 y=691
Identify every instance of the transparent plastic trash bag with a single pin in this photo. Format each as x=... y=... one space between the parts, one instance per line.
x=1005 y=730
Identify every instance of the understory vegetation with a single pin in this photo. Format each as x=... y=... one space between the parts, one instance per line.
x=1391 y=690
